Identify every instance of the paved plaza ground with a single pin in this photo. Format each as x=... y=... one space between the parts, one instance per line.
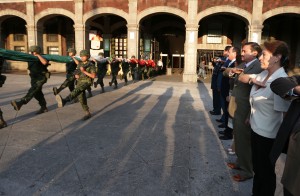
x=153 y=137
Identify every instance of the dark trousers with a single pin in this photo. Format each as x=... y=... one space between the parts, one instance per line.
x=101 y=74
x=216 y=101
x=286 y=192
x=114 y=78
x=125 y=72
x=71 y=84
x=224 y=106
x=264 y=181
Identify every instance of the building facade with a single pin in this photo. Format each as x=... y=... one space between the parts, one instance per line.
x=181 y=32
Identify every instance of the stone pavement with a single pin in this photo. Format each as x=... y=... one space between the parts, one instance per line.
x=153 y=137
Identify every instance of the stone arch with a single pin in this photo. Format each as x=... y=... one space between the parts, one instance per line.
x=11 y=12
x=245 y=15
x=162 y=9
x=55 y=11
x=107 y=10
x=280 y=10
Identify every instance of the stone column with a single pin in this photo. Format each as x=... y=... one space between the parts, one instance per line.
x=132 y=30
x=32 y=35
x=190 y=54
x=79 y=37
x=255 y=32
x=255 y=28
x=79 y=27
x=31 y=23
x=191 y=42
x=132 y=40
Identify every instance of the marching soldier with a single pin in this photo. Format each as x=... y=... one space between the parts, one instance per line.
x=70 y=78
x=134 y=70
x=125 y=68
x=39 y=75
x=142 y=67
x=150 y=67
x=101 y=70
x=84 y=74
x=2 y=80
x=115 y=68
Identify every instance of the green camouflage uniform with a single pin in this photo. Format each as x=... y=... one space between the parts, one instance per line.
x=2 y=80
x=38 y=79
x=83 y=83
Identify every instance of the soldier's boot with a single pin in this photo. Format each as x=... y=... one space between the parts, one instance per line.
x=2 y=122
x=62 y=102
x=116 y=86
x=17 y=104
x=95 y=84
x=142 y=76
x=110 y=83
x=43 y=109
x=102 y=89
x=56 y=90
x=87 y=115
x=89 y=94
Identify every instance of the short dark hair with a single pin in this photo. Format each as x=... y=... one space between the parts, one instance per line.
x=254 y=47
x=227 y=48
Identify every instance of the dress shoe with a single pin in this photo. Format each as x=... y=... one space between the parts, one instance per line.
x=214 y=113
x=222 y=126
x=222 y=132
x=219 y=120
x=225 y=137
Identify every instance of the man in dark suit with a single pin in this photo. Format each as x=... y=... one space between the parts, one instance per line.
x=288 y=134
x=225 y=87
x=242 y=130
x=215 y=85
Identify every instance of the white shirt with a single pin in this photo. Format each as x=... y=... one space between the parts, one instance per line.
x=266 y=107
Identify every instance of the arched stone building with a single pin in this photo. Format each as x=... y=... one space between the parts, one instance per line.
x=184 y=30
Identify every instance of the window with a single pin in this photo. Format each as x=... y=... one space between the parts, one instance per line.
x=18 y=37
x=119 y=46
x=19 y=48
x=214 y=34
x=53 y=50
x=52 y=37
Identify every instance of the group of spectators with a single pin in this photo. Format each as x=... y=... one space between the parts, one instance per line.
x=253 y=92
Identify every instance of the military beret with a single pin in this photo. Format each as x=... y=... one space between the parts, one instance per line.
x=84 y=53
x=72 y=50
x=36 y=49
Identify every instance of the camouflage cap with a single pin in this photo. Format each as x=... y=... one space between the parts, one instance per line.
x=84 y=53
x=113 y=56
x=72 y=50
x=101 y=54
x=36 y=49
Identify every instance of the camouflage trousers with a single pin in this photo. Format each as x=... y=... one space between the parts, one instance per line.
x=79 y=92
x=69 y=82
x=36 y=90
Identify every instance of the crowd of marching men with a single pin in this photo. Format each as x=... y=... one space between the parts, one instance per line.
x=81 y=75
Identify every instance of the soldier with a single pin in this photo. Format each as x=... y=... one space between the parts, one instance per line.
x=2 y=80
x=142 y=67
x=84 y=74
x=134 y=70
x=39 y=75
x=101 y=70
x=115 y=68
x=125 y=68
x=70 y=78
x=150 y=67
